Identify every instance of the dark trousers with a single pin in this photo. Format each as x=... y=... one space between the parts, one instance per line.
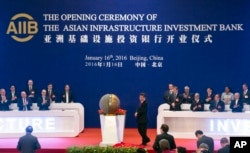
x=142 y=129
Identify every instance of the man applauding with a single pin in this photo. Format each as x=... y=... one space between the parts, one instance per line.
x=236 y=105
x=175 y=100
x=197 y=104
x=24 y=102
x=43 y=102
x=217 y=105
x=4 y=104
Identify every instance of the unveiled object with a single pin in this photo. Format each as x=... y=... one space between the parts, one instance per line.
x=109 y=104
x=112 y=120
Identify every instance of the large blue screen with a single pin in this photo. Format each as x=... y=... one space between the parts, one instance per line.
x=124 y=47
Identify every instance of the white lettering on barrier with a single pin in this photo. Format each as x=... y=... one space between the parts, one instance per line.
x=19 y=123
x=230 y=125
x=50 y=124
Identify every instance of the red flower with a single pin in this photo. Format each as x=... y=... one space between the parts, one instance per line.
x=118 y=112
x=100 y=111
x=127 y=145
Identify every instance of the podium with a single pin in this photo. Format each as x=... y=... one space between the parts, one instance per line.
x=112 y=128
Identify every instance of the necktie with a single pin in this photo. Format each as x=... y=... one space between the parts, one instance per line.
x=67 y=97
x=24 y=105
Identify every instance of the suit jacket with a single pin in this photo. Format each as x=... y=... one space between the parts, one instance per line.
x=52 y=95
x=63 y=97
x=28 y=144
x=10 y=97
x=246 y=97
x=207 y=140
x=166 y=136
x=199 y=106
x=142 y=111
x=239 y=104
x=225 y=149
x=20 y=104
x=167 y=95
x=177 y=99
x=220 y=106
x=188 y=99
x=208 y=96
x=45 y=106
x=31 y=92
x=4 y=106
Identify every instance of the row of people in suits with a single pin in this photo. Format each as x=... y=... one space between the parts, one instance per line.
x=24 y=103
x=28 y=97
x=216 y=104
x=227 y=96
x=31 y=92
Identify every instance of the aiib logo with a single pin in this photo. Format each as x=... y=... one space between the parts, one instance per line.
x=22 y=27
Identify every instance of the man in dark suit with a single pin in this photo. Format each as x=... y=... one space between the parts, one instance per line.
x=43 y=102
x=28 y=143
x=168 y=93
x=24 y=103
x=51 y=93
x=245 y=94
x=164 y=135
x=204 y=139
x=31 y=91
x=175 y=100
x=13 y=95
x=197 y=104
x=67 y=96
x=225 y=146
x=2 y=93
x=236 y=105
x=142 y=118
x=4 y=104
x=187 y=96
x=217 y=105
x=209 y=96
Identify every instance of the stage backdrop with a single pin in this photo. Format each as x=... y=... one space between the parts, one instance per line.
x=124 y=47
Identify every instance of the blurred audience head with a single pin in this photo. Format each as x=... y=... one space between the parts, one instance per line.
x=203 y=146
x=198 y=134
x=170 y=86
x=224 y=141
x=67 y=88
x=181 y=150
x=217 y=97
x=244 y=86
x=186 y=89
x=29 y=129
x=237 y=95
x=142 y=97
x=30 y=82
x=209 y=90
x=175 y=90
x=164 y=128
x=164 y=144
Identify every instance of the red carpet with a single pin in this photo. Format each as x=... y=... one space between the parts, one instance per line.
x=91 y=137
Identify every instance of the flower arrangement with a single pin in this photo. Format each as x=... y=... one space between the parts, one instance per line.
x=118 y=112
x=98 y=149
x=128 y=145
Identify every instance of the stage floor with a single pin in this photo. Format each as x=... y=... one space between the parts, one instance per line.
x=92 y=136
